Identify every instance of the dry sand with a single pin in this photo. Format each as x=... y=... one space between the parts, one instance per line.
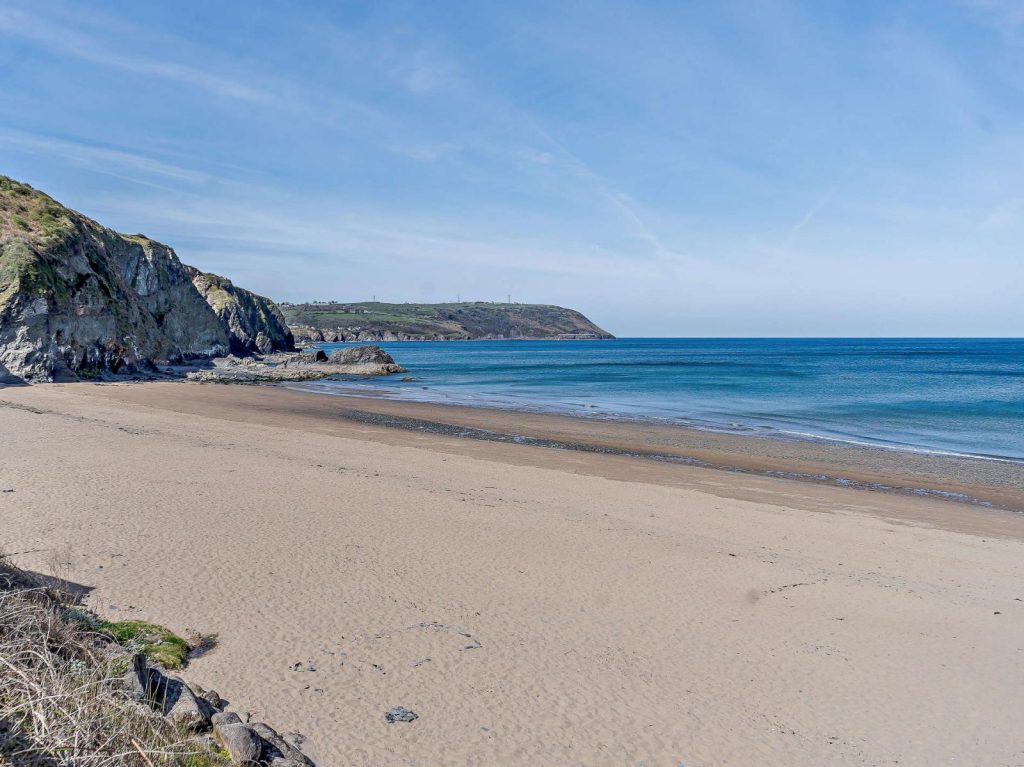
x=532 y=606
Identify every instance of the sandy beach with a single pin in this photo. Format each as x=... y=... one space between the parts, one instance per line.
x=534 y=605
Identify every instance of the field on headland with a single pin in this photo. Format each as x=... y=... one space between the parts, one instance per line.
x=532 y=606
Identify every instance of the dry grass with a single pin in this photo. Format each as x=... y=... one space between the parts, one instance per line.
x=59 y=703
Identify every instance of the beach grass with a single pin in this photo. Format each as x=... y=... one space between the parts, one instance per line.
x=60 y=703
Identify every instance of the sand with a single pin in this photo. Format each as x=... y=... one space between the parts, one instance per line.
x=533 y=606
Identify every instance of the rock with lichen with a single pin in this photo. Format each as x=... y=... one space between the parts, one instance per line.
x=79 y=300
x=254 y=323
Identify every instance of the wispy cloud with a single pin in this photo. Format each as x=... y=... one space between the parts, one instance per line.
x=119 y=162
x=809 y=216
x=667 y=258
x=64 y=40
x=327 y=233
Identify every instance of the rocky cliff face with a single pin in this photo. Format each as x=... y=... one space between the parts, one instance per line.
x=79 y=300
x=254 y=323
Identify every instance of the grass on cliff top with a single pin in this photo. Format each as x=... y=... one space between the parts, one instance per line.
x=32 y=224
x=28 y=212
x=58 y=703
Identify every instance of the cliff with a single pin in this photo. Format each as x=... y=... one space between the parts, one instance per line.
x=254 y=323
x=373 y=321
x=80 y=300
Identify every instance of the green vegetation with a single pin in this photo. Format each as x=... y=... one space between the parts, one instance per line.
x=33 y=225
x=22 y=269
x=26 y=211
x=157 y=643
x=60 y=699
x=443 y=321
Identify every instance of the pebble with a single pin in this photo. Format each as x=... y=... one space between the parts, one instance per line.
x=399 y=714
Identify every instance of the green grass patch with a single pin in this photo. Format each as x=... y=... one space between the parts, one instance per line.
x=157 y=643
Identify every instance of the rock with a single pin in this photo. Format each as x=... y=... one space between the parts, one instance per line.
x=311 y=366
x=242 y=743
x=211 y=697
x=399 y=714
x=182 y=707
x=167 y=694
x=253 y=323
x=279 y=751
x=360 y=355
x=313 y=356
x=137 y=682
x=225 y=717
x=78 y=300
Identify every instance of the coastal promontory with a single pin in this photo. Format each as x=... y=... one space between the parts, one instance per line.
x=374 y=321
x=79 y=300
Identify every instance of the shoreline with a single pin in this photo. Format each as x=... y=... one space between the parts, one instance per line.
x=344 y=388
x=972 y=482
x=498 y=589
x=409 y=423
x=969 y=480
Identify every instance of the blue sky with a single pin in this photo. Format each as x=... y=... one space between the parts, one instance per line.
x=748 y=168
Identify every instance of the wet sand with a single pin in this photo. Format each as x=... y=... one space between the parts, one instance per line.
x=536 y=605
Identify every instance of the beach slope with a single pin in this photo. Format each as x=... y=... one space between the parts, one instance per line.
x=530 y=605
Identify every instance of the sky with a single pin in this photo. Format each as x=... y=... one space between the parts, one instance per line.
x=668 y=168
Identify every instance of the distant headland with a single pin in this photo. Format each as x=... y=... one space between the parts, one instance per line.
x=330 y=321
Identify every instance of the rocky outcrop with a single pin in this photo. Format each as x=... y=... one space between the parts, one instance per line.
x=336 y=322
x=361 y=355
x=79 y=300
x=76 y=297
x=254 y=323
x=199 y=711
x=309 y=366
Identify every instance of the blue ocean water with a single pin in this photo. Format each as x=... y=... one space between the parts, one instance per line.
x=948 y=395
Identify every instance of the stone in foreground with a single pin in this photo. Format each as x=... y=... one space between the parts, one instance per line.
x=244 y=745
x=400 y=714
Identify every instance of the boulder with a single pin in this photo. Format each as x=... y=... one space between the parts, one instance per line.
x=225 y=717
x=137 y=682
x=210 y=696
x=278 y=751
x=314 y=356
x=242 y=744
x=361 y=355
x=182 y=707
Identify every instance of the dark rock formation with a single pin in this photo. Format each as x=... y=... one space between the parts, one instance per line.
x=360 y=355
x=76 y=297
x=254 y=323
x=308 y=366
x=78 y=300
x=317 y=355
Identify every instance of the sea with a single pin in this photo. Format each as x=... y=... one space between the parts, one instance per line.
x=957 y=396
